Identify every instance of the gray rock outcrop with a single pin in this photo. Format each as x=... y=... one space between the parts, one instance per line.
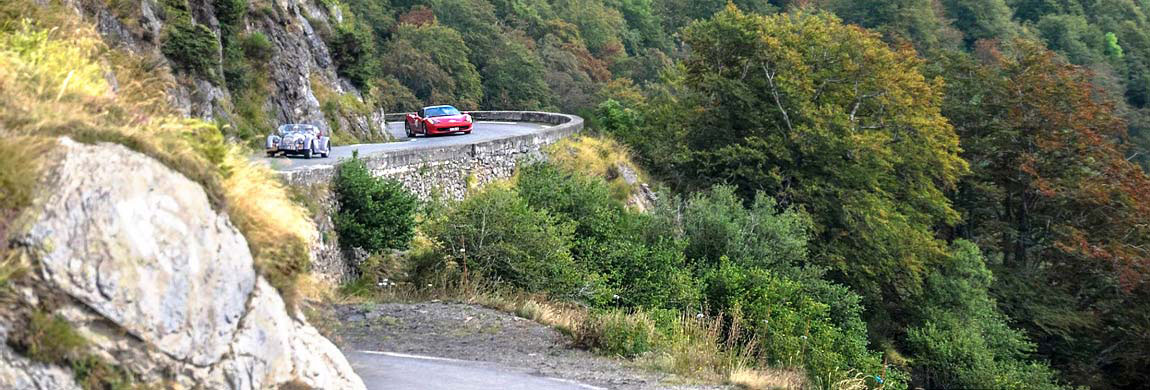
x=158 y=282
x=302 y=60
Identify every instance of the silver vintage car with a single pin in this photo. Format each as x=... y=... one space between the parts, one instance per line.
x=299 y=139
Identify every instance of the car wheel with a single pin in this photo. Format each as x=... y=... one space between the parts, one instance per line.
x=307 y=153
x=271 y=154
x=467 y=132
x=407 y=129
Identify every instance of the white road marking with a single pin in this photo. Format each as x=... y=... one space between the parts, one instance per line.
x=585 y=386
x=404 y=355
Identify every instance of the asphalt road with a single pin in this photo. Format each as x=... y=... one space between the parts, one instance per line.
x=483 y=131
x=383 y=370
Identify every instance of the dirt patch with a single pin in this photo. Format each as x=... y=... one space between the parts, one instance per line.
x=468 y=332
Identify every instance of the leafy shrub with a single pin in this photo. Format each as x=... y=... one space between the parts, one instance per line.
x=716 y=224
x=495 y=234
x=640 y=269
x=353 y=50
x=374 y=213
x=811 y=323
x=238 y=72
x=230 y=14
x=257 y=47
x=615 y=332
x=192 y=47
x=963 y=341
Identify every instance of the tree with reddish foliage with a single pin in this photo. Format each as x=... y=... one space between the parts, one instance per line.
x=1052 y=194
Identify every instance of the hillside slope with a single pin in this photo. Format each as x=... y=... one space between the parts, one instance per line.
x=249 y=65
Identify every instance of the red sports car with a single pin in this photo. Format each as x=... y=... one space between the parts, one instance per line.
x=436 y=120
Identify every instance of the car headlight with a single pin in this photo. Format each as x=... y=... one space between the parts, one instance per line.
x=432 y=121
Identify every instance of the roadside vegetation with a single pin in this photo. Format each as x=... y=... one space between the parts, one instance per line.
x=703 y=287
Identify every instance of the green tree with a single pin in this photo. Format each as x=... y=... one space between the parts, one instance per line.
x=1112 y=48
x=193 y=48
x=1055 y=197
x=374 y=213
x=513 y=78
x=981 y=19
x=432 y=61
x=858 y=140
x=915 y=20
x=353 y=50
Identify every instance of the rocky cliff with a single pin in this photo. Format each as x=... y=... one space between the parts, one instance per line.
x=290 y=77
x=133 y=276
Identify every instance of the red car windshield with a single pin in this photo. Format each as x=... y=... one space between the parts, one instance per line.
x=431 y=112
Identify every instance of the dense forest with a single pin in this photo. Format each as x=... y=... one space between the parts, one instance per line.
x=965 y=177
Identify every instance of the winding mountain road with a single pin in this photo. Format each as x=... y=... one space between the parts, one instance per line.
x=483 y=131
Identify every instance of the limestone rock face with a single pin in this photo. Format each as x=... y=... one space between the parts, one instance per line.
x=141 y=246
x=301 y=61
x=160 y=283
x=17 y=372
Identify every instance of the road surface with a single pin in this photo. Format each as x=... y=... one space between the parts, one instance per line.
x=384 y=370
x=483 y=131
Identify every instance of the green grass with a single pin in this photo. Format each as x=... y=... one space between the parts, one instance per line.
x=619 y=333
x=51 y=339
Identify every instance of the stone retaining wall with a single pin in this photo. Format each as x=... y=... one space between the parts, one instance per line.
x=446 y=171
x=450 y=169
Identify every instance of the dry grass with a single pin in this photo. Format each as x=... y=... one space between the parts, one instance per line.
x=599 y=156
x=754 y=379
x=313 y=288
x=52 y=64
x=278 y=230
x=13 y=265
x=857 y=381
x=563 y=317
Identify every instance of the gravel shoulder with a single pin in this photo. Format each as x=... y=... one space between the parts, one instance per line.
x=492 y=339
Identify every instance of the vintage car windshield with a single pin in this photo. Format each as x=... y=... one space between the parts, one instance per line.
x=285 y=129
x=440 y=111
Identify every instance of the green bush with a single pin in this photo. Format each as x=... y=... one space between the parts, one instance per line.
x=374 y=213
x=962 y=340
x=499 y=237
x=808 y=323
x=353 y=51
x=50 y=339
x=230 y=14
x=192 y=47
x=257 y=47
x=640 y=269
x=615 y=332
x=716 y=224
